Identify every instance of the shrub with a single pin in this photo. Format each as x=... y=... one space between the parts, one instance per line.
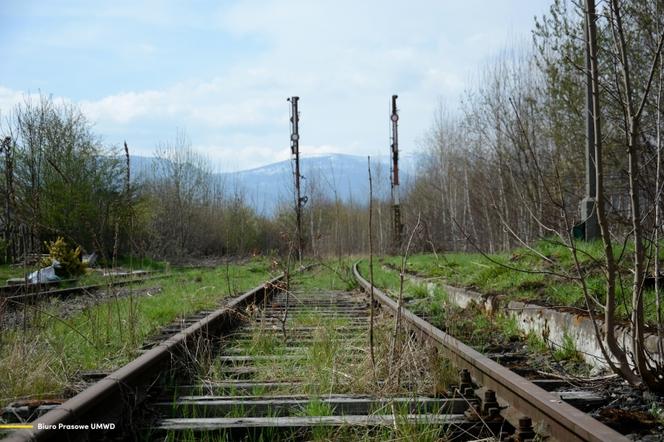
x=68 y=257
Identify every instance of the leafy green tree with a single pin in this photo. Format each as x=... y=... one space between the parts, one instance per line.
x=66 y=183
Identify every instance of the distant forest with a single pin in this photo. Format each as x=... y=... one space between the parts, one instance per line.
x=505 y=168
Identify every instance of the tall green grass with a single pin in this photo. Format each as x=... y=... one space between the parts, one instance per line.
x=42 y=359
x=520 y=275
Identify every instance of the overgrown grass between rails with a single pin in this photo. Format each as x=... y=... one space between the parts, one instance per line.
x=315 y=407
x=401 y=428
x=257 y=435
x=45 y=357
x=327 y=275
x=326 y=370
x=333 y=361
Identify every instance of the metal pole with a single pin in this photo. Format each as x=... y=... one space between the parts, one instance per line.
x=397 y=226
x=588 y=210
x=295 y=151
x=8 y=237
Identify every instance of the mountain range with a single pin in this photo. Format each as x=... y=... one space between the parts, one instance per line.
x=327 y=176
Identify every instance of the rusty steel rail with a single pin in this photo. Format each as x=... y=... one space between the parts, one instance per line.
x=20 y=298
x=125 y=388
x=558 y=419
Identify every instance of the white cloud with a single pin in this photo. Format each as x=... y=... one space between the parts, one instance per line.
x=125 y=107
x=343 y=58
x=9 y=98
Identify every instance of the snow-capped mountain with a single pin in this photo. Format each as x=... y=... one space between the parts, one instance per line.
x=330 y=176
x=327 y=177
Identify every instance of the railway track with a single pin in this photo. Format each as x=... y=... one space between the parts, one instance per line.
x=303 y=371
x=521 y=400
x=297 y=365
x=13 y=296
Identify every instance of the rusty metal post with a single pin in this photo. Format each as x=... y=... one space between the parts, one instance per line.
x=394 y=177
x=588 y=209
x=295 y=152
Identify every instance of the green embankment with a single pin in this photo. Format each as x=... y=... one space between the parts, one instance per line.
x=546 y=275
x=41 y=359
x=487 y=334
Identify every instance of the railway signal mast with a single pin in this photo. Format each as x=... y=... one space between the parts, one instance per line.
x=295 y=152
x=590 y=225
x=394 y=177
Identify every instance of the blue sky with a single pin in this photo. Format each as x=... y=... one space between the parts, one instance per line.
x=222 y=70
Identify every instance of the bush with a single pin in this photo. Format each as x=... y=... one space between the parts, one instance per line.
x=69 y=258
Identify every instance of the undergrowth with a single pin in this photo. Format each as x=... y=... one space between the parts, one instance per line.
x=472 y=325
x=41 y=359
x=515 y=275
